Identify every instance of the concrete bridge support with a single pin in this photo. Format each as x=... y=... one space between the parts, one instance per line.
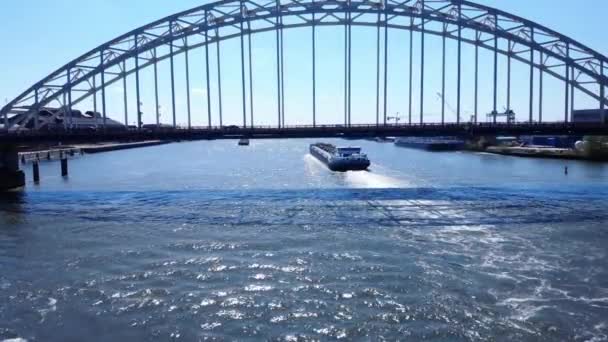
x=10 y=175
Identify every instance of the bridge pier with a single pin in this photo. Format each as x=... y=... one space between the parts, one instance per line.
x=64 y=165
x=36 y=171
x=10 y=175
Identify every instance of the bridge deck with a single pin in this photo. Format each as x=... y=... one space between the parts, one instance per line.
x=319 y=131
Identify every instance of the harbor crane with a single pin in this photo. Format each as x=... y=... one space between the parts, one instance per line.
x=508 y=113
x=397 y=118
x=450 y=108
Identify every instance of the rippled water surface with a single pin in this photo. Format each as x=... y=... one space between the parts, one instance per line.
x=205 y=240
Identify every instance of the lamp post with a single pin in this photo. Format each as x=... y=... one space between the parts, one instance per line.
x=140 y=115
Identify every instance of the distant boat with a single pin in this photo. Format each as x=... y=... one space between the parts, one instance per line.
x=340 y=159
x=385 y=139
x=244 y=142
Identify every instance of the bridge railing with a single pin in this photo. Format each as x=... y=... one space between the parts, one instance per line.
x=365 y=128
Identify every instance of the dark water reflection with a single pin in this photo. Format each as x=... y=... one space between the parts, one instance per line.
x=207 y=241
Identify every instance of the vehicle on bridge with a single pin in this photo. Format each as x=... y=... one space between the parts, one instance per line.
x=231 y=128
x=156 y=127
x=57 y=120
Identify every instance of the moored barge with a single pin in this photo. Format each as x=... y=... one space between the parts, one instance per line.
x=431 y=144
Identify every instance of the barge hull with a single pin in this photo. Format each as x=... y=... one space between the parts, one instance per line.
x=431 y=146
x=338 y=165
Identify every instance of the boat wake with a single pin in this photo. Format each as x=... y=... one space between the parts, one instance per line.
x=370 y=179
x=313 y=165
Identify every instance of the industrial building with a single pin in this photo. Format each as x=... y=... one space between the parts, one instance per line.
x=590 y=116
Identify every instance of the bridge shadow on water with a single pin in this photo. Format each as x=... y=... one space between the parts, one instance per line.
x=344 y=208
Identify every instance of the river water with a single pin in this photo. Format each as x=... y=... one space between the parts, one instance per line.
x=208 y=241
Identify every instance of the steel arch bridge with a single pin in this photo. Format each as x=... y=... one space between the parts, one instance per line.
x=545 y=51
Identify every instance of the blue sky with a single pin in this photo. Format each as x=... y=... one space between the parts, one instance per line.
x=39 y=36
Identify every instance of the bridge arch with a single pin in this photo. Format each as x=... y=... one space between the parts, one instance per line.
x=464 y=21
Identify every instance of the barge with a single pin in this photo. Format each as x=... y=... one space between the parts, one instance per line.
x=431 y=144
x=340 y=159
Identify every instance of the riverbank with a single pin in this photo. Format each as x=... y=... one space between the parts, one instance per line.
x=537 y=152
x=530 y=151
x=545 y=152
x=107 y=147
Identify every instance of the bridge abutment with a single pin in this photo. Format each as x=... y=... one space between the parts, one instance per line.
x=10 y=175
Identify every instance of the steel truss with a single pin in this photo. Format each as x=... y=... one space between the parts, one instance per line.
x=577 y=65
